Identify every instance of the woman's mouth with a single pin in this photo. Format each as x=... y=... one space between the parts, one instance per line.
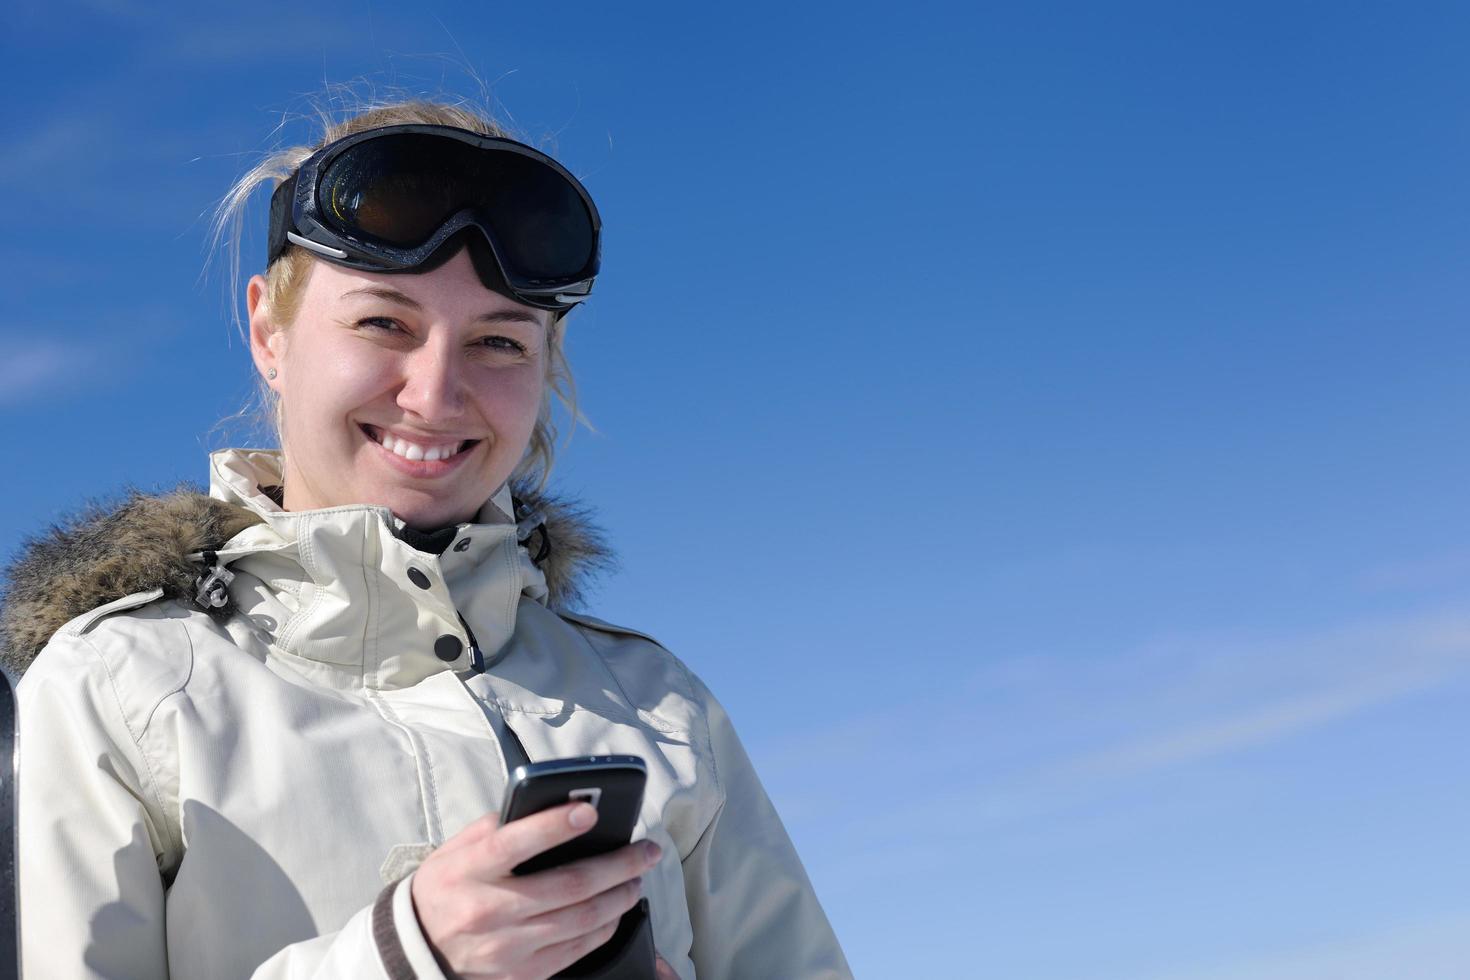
x=419 y=458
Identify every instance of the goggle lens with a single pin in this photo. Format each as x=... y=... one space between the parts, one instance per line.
x=398 y=190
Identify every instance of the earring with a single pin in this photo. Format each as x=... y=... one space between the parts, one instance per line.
x=270 y=375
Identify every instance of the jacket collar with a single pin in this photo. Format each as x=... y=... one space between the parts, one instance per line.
x=243 y=477
x=342 y=592
x=327 y=570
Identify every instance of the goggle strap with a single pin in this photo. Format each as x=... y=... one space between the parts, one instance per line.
x=281 y=200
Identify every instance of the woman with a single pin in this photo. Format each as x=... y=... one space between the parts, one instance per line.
x=270 y=727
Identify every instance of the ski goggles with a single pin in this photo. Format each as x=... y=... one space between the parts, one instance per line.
x=386 y=200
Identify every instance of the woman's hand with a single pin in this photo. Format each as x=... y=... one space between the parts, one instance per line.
x=485 y=923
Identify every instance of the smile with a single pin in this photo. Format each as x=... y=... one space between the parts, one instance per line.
x=420 y=459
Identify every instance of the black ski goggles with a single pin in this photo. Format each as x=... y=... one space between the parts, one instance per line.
x=386 y=200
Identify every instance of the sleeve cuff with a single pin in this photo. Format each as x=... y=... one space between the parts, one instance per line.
x=402 y=947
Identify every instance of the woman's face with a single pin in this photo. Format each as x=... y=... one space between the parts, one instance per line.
x=382 y=375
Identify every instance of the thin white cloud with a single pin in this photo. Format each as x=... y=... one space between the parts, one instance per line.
x=56 y=143
x=1329 y=678
x=235 y=42
x=32 y=367
x=1033 y=736
x=1417 y=574
x=43 y=368
x=1432 y=948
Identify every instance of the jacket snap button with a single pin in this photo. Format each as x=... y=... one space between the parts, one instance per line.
x=463 y=545
x=448 y=647
x=418 y=578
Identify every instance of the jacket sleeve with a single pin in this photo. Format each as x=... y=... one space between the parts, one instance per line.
x=752 y=907
x=93 y=836
x=383 y=941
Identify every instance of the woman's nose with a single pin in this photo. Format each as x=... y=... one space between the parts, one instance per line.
x=433 y=384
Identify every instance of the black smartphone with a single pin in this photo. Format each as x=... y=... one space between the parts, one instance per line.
x=613 y=784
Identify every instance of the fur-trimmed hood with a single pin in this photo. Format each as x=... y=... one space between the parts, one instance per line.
x=165 y=540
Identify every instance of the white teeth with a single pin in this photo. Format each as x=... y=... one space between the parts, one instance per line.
x=409 y=450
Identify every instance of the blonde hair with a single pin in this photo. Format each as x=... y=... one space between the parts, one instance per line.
x=286 y=277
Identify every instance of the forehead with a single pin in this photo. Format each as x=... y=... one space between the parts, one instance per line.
x=452 y=290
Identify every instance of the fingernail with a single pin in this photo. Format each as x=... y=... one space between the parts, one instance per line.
x=652 y=852
x=582 y=816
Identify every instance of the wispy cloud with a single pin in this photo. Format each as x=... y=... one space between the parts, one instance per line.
x=32 y=369
x=45 y=369
x=1034 y=735
x=1320 y=678
x=244 y=41
x=1088 y=776
x=1433 y=948
x=56 y=143
x=1417 y=574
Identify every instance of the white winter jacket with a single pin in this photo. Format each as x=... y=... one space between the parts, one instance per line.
x=241 y=785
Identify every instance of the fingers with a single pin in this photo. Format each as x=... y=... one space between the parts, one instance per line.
x=554 y=959
x=507 y=846
x=471 y=906
x=662 y=970
x=487 y=852
x=570 y=884
x=584 y=918
x=560 y=955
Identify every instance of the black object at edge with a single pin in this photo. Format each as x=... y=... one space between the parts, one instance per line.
x=628 y=955
x=9 y=897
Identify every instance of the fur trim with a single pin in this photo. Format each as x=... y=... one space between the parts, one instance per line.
x=103 y=553
x=111 y=550
x=574 y=550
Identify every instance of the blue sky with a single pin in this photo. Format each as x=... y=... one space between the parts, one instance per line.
x=1043 y=425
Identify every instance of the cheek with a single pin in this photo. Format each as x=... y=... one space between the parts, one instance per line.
x=339 y=380
x=319 y=406
x=512 y=401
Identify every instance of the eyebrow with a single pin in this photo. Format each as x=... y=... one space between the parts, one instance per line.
x=514 y=315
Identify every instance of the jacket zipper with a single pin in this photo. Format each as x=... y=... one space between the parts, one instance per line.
x=477 y=659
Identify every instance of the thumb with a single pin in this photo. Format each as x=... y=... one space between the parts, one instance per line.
x=662 y=970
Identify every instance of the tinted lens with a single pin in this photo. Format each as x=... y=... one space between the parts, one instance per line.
x=398 y=190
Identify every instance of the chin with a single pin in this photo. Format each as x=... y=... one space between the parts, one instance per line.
x=421 y=519
x=428 y=515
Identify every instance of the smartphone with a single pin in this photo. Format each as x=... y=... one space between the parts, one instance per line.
x=611 y=783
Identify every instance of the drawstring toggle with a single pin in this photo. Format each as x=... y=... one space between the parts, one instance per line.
x=212 y=590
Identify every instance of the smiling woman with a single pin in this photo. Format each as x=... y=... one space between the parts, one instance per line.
x=268 y=731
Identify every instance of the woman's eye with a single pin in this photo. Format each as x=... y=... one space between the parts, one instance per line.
x=503 y=344
x=381 y=323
